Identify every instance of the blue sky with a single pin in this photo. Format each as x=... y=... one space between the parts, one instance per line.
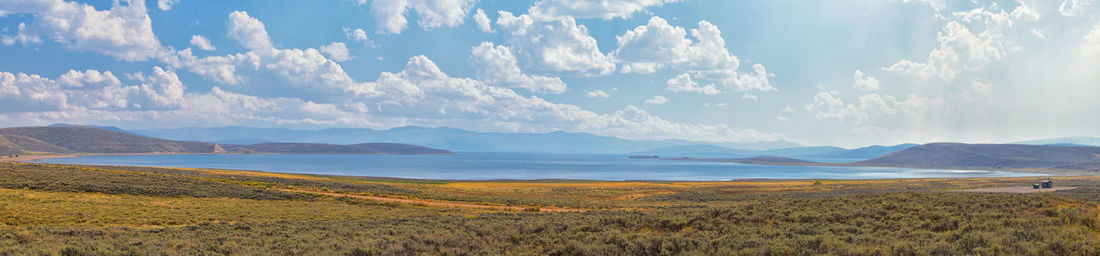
x=846 y=73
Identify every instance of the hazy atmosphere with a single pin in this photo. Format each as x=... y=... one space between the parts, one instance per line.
x=815 y=73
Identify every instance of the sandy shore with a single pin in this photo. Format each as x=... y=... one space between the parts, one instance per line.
x=26 y=158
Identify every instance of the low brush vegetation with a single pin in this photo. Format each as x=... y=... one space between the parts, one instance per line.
x=50 y=209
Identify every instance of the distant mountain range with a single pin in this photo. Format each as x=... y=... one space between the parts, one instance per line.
x=711 y=151
x=93 y=126
x=449 y=138
x=866 y=152
x=1084 y=140
x=992 y=156
x=321 y=148
x=948 y=156
x=85 y=139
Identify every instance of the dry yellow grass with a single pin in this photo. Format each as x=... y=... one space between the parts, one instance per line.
x=253 y=173
x=20 y=207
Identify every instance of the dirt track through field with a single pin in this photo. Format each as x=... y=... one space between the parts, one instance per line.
x=1014 y=190
x=434 y=203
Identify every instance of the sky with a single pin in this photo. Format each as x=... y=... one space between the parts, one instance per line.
x=844 y=73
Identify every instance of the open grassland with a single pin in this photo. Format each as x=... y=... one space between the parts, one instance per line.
x=90 y=210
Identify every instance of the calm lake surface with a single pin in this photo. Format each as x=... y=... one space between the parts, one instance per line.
x=525 y=166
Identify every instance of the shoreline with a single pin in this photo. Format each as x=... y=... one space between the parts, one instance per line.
x=1036 y=171
x=30 y=159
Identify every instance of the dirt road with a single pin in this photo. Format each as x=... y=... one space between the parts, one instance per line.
x=1015 y=190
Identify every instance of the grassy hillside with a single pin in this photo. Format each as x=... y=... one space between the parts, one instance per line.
x=97 y=140
x=86 y=210
x=29 y=145
x=957 y=155
x=7 y=148
x=21 y=145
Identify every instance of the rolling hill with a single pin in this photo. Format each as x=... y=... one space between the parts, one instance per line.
x=17 y=144
x=69 y=139
x=991 y=156
x=85 y=139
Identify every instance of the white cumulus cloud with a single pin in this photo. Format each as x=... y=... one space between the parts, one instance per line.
x=249 y=31
x=1073 y=7
x=90 y=89
x=657 y=100
x=828 y=105
x=683 y=83
x=863 y=82
x=124 y=32
x=202 y=43
x=305 y=73
x=558 y=45
x=359 y=35
x=593 y=9
x=27 y=93
x=498 y=67
x=90 y=79
x=390 y=14
x=961 y=49
x=483 y=22
x=336 y=51
x=597 y=94
x=658 y=45
x=22 y=36
x=165 y=5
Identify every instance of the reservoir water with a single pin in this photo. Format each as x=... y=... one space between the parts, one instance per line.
x=523 y=166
